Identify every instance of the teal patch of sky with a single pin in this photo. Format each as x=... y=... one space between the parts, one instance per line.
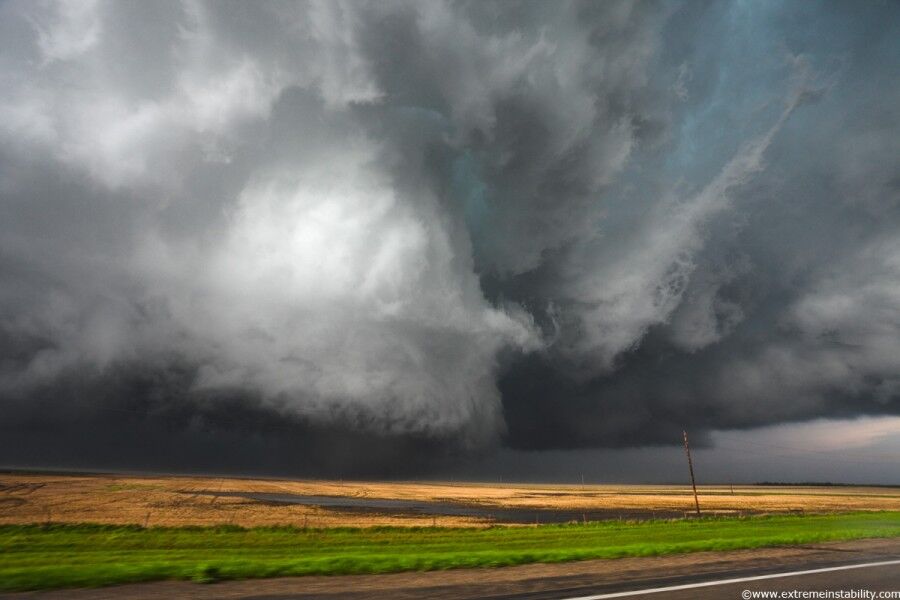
x=855 y=52
x=740 y=81
x=472 y=193
x=751 y=84
x=467 y=186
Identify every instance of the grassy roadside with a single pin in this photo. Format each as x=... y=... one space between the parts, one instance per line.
x=53 y=556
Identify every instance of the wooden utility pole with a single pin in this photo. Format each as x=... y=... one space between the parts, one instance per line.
x=687 y=450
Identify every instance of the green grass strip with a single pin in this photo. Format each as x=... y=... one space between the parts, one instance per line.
x=57 y=555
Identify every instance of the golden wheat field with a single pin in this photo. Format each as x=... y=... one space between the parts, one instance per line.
x=176 y=500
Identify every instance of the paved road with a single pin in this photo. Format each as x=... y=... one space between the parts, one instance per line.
x=870 y=578
x=561 y=581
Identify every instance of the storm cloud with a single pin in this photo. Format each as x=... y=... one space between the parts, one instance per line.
x=367 y=236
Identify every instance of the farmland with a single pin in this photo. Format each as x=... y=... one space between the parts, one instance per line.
x=63 y=530
x=48 y=556
x=211 y=501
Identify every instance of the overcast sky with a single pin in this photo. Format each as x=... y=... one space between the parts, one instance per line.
x=473 y=238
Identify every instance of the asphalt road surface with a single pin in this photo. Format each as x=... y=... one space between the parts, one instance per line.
x=859 y=579
x=702 y=575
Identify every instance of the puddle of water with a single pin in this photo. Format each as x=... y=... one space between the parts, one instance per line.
x=419 y=507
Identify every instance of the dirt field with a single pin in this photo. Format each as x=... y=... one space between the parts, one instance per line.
x=29 y=498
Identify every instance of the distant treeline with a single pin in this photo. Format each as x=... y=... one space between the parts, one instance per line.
x=823 y=484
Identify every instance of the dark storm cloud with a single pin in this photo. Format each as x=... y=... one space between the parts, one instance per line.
x=758 y=289
x=367 y=234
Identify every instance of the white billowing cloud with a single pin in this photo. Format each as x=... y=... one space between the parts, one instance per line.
x=319 y=282
x=76 y=102
x=67 y=30
x=315 y=282
x=329 y=293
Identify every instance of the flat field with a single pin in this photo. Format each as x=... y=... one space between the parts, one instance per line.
x=63 y=530
x=210 y=501
x=48 y=556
